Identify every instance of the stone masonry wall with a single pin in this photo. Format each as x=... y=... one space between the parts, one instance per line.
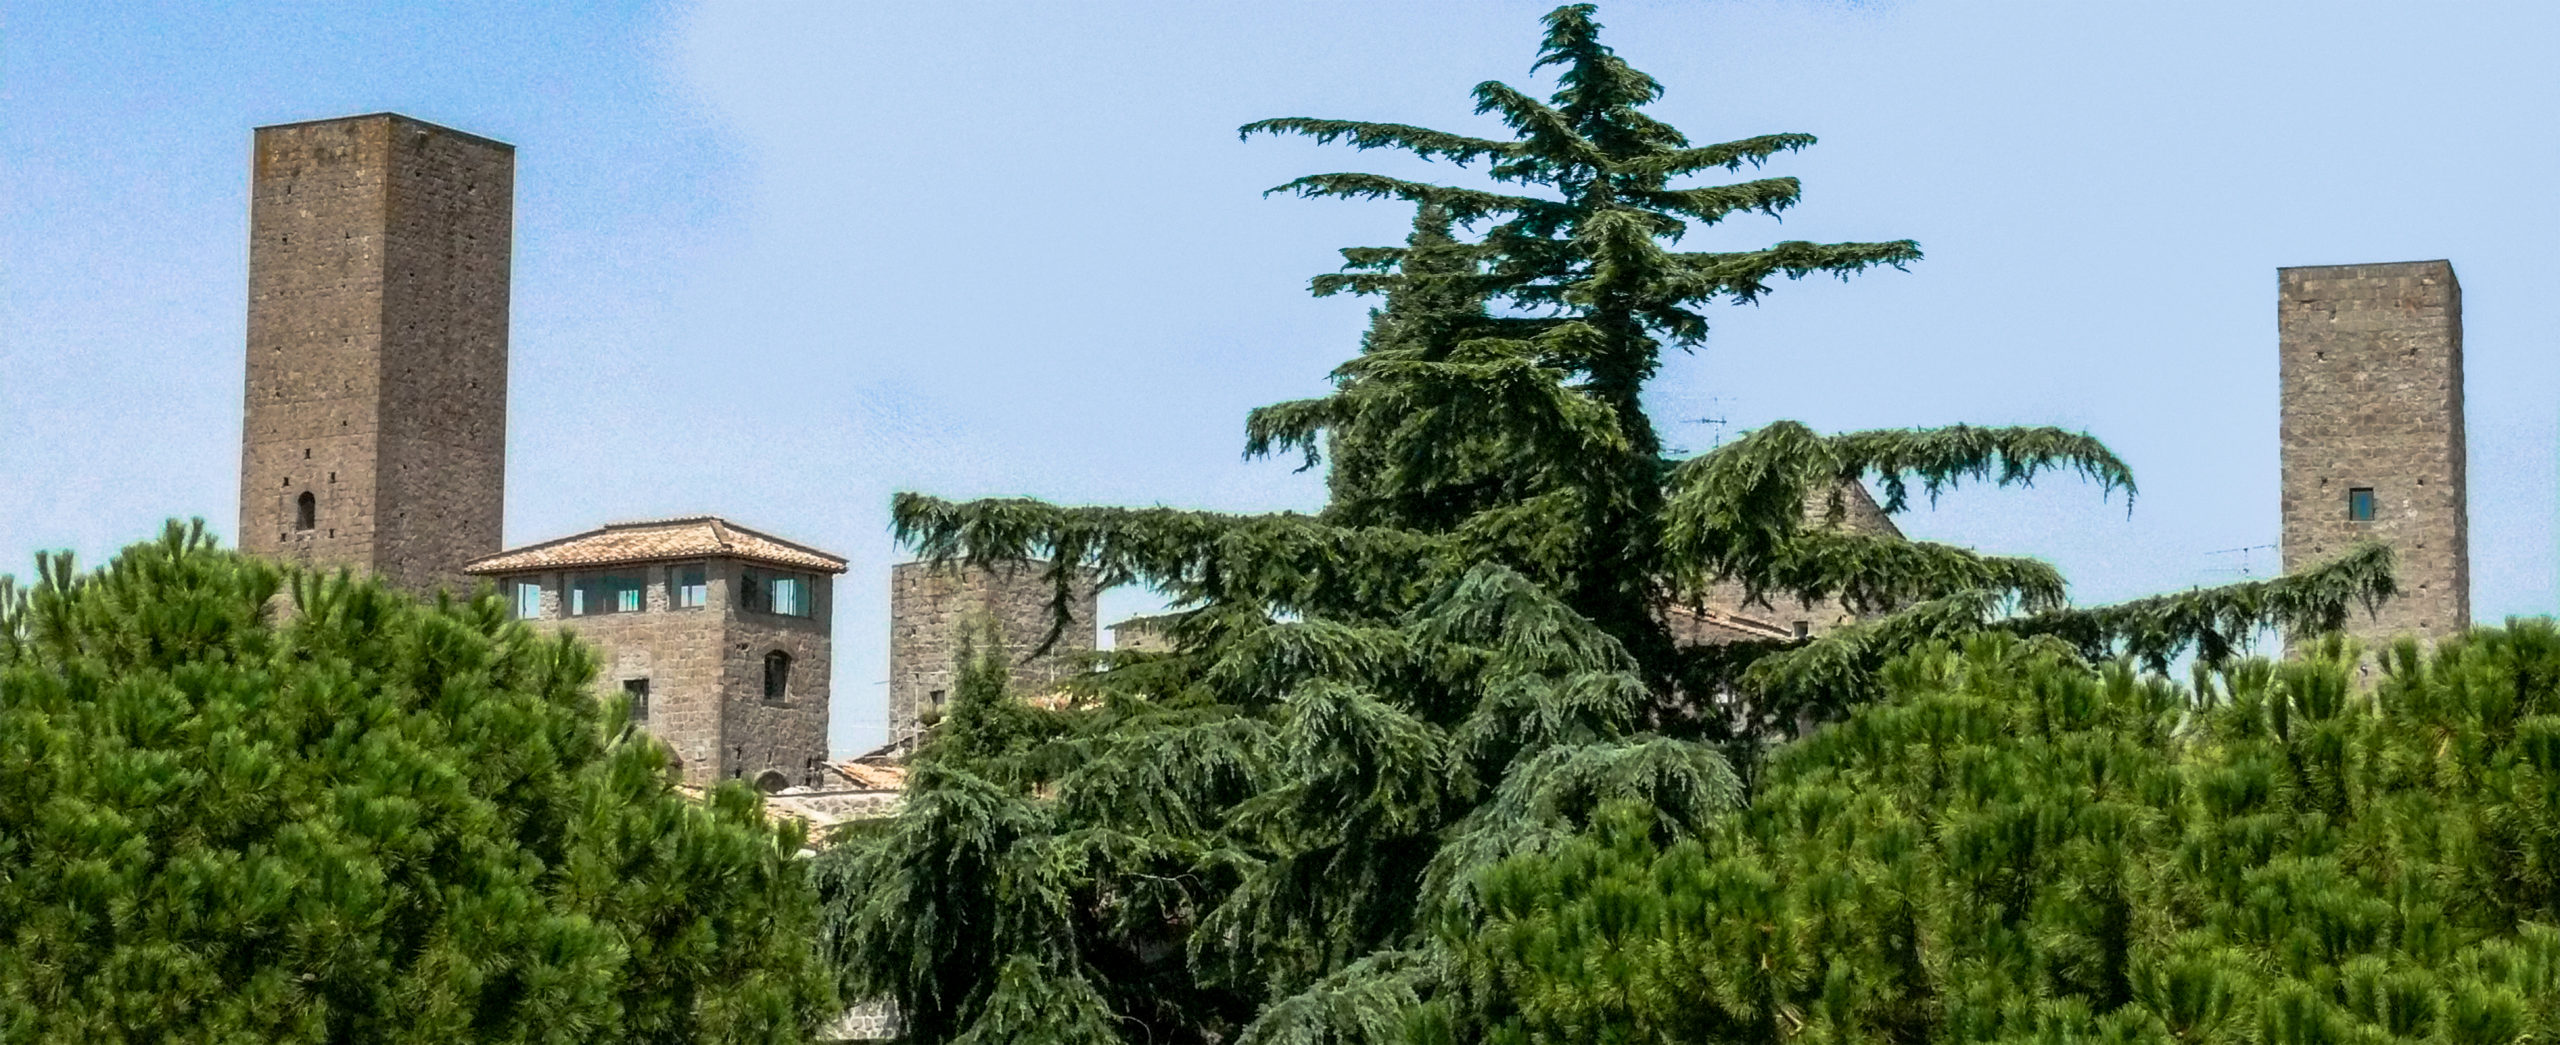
x=443 y=463
x=791 y=737
x=376 y=366
x=678 y=651
x=2371 y=368
x=932 y=608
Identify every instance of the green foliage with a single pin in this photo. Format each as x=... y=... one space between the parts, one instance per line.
x=1463 y=658
x=2018 y=847
x=369 y=821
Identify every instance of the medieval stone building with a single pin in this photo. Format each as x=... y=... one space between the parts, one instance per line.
x=716 y=638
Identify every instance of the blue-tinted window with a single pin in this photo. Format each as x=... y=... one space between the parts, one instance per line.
x=596 y=593
x=526 y=598
x=2360 y=504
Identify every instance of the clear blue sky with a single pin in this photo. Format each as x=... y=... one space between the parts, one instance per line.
x=778 y=261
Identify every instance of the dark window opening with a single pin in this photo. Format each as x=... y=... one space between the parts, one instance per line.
x=2360 y=504
x=781 y=594
x=306 y=512
x=636 y=691
x=936 y=698
x=1804 y=628
x=777 y=677
x=771 y=780
x=688 y=587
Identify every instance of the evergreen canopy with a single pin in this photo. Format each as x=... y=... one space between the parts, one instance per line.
x=370 y=820
x=1463 y=655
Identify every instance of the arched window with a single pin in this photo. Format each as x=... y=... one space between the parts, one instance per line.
x=771 y=780
x=306 y=512
x=777 y=677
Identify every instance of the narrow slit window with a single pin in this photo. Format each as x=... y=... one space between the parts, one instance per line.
x=2360 y=504
x=777 y=677
x=306 y=512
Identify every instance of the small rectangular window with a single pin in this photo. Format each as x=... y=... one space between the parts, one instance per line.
x=526 y=597
x=688 y=587
x=1804 y=629
x=596 y=593
x=2360 y=504
x=636 y=692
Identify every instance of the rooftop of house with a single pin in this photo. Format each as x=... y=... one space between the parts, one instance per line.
x=657 y=540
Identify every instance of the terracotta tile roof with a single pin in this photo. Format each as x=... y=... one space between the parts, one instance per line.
x=658 y=540
x=872 y=775
x=1702 y=626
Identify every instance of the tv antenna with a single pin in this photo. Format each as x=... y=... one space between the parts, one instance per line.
x=2247 y=558
x=1716 y=422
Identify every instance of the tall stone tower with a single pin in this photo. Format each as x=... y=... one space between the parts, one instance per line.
x=2371 y=364
x=376 y=428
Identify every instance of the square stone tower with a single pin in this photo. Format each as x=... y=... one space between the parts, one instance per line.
x=717 y=637
x=376 y=427
x=2371 y=365
x=934 y=608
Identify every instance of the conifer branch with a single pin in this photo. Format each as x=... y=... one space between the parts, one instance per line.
x=1712 y=204
x=1744 y=275
x=1463 y=205
x=1729 y=155
x=1939 y=457
x=1363 y=135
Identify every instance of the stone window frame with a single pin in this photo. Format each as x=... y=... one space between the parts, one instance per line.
x=635 y=695
x=306 y=512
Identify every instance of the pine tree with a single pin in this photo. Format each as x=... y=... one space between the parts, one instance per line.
x=370 y=820
x=1463 y=657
